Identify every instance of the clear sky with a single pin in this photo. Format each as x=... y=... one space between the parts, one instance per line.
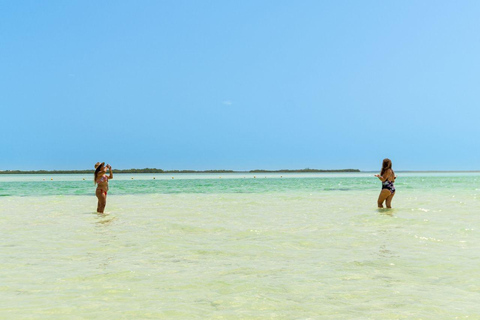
x=240 y=84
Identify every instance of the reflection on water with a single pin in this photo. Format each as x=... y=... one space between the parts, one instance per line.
x=105 y=219
x=107 y=246
x=386 y=211
x=384 y=252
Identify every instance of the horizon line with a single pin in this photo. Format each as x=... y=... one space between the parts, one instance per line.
x=157 y=170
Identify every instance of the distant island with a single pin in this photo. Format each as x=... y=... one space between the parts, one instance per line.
x=302 y=170
x=154 y=170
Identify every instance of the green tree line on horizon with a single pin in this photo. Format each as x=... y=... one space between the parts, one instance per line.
x=306 y=170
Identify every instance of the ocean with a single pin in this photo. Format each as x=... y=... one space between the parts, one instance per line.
x=240 y=246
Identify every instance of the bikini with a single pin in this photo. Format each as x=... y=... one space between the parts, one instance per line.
x=104 y=178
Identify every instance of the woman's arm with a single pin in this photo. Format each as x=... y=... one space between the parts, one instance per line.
x=385 y=175
x=111 y=173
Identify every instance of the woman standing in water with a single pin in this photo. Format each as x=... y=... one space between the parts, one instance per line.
x=101 y=180
x=387 y=176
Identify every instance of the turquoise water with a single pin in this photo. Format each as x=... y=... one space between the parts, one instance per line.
x=122 y=184
x=205 y=246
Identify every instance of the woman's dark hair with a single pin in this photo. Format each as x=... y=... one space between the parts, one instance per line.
x=387 y=164
x=96 y=173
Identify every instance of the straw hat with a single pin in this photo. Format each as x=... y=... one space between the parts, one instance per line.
x=99 y=164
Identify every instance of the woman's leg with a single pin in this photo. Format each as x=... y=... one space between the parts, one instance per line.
x=384 y=194
x=102 y=201
x=389 y=200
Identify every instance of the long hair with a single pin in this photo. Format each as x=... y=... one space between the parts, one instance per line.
x=96 y=173
x=387 y=164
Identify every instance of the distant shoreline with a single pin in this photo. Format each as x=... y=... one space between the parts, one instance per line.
x=160 y=171
x=154 y=170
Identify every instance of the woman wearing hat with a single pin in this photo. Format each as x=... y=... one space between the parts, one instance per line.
x=101 y=180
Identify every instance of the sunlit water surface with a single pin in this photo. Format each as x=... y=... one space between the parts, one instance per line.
x=235 y=246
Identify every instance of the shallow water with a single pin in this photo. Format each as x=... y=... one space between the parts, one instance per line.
x=309 y=246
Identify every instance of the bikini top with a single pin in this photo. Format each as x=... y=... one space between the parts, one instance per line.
x=104 y=178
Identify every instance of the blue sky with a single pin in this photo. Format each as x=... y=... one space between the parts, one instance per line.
x=240 y=85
